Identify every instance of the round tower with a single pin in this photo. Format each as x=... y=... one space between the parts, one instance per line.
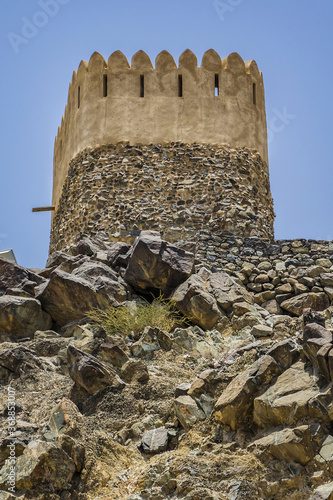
x=180 y=149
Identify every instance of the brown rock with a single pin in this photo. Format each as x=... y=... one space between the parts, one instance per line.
x=234 y=406
x=90 y=373
x=112 y=353
x=295 y=445
x=322 y=360
x=315 y=331
x=194 y=301
x=135 y=371
x=41 y=463
x=69 y=298
x=285 y=353
x=187 y=411
x=315 y=301
x=15 y=276
x=20 y=317
x=291 y=398
x=157 y=265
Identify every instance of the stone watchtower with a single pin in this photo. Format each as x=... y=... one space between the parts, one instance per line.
x=179 y=149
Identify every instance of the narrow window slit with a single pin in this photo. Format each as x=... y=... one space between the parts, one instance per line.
x=217 y=85
x=254 y=92
x=180 y=85
x=142 y=86
x=78 y=97
x=105 y=85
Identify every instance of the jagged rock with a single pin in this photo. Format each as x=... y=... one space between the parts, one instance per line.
x=155 y=441
x=198 y=387
x=147 y=344
x=19 y=359
x=157 y=265
x=118 y=254
x=324 y=492
x=64 y=419
x=206 y=403
x=135 y=371
x=13 y=276
x=20 y=317
x=187 y=411
x=41 y=464
x=194 y=301
x=313 y=346
x=325 y=454
x=206 y=298
x=316 y=331
x=89 y=373
x=113 y=354
x=262 y=331
x=86 y=247
x=69 y=298
x=73 y=449
x=48 y=334
x=226 y=291
x=322 y=359
x=291 y=398
x=286 y=352
x=288 y=444
x=234 y=406
x=7 y=444
x=182 y=389
x=315 y=301
x=58 y=257
x=310 y=316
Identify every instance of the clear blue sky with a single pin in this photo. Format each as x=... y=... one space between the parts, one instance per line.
x=291 y=40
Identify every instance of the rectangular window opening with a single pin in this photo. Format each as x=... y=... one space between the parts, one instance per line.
x=105 y=85
x=78 y=97
x=254 y=92
x=180 y=85
x=142 y=86
x=217 y=85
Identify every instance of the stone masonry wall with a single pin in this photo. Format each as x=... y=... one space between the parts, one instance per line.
x=294 y=273
x=178 y=189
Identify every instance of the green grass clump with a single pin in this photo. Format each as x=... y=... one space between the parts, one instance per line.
x=123 y=321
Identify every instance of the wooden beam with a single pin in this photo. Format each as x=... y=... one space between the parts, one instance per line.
x=43 y=209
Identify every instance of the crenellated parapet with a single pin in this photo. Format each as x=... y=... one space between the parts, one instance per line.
x=220 y=102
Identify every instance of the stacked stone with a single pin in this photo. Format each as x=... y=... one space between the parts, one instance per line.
x=284 y=275
x=177 y=189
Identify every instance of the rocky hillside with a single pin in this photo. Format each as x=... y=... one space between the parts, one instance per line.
x=233 y=402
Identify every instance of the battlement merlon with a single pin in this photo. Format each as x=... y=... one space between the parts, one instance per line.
x=221 y=102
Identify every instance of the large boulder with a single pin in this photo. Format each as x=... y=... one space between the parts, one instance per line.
x=90 y=373
x=286 y=352
x=316 y=331
x=323 y=492
x=69 y=297
x=156 y=265
x=206 y=298
x=41 y=463
x=292 y=397
x=194 y=301
x=18 y=359
x=226 y=291
x=315 y=301
x=187 y=411
x=21 y=317
x=295 y=445
x=234 y=406
x=13 y=276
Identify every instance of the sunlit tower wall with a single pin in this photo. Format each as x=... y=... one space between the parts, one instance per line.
x=180 y=149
